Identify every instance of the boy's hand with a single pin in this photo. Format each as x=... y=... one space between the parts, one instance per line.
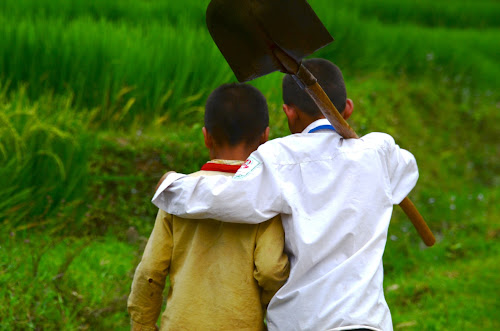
x=141 y=327
x=162 y=179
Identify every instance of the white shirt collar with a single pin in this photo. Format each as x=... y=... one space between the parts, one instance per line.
x=315 y=124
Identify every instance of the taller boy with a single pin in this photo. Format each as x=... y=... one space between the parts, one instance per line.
x=336 y=197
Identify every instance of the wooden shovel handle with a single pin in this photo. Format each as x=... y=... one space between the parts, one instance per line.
x=418 y=221
x=319 y=97
x=315 y=91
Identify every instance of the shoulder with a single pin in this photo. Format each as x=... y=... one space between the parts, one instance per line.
x=268 y=151
x=163 y=216
x=379 y=140
x=162 y=213
x=278 y=150
x=304 y=147
x=209 y=173
x=291 y=143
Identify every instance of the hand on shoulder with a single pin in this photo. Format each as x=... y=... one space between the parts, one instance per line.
x=163 y=178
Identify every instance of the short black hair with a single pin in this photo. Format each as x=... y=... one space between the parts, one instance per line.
x=329 y=78
x=236 y=113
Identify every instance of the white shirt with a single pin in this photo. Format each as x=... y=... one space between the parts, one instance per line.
x=336 y=197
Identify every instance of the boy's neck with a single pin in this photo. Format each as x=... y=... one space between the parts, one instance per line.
x=303 y=120
x=238 y=152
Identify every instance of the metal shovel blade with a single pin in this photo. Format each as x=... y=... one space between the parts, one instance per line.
x=247 y=31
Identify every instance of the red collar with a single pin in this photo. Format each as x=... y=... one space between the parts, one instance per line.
x=212 y=166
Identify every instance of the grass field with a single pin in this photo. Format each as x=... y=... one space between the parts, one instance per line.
x=99 y=98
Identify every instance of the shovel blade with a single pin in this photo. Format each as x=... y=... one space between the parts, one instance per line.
x=247 y=31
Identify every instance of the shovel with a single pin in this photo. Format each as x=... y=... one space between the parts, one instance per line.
x=257 y=37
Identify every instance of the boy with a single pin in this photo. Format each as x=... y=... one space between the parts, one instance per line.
x=222 y=275
x=335 y=197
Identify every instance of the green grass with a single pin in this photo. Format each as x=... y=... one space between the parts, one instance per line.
x=44 y=151
x=141 y=12
x=142 y=71
x=99 y=98
x=458 y=203
x=450 y=14
x=450 y=286
x=361 y=45
x=115 y=55
x=63 y=284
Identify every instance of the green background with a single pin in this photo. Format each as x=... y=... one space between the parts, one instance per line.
x=99 y=98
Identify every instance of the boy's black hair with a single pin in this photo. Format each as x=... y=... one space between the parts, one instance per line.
x=329 y=78
x=236 y=113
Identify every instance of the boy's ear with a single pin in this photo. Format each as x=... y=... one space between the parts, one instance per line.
x=265 y=136
x=290 y=112
x=209 y=142
x=293 y=117
x=349 y=107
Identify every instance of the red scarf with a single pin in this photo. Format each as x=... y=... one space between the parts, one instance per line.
x=213 y=166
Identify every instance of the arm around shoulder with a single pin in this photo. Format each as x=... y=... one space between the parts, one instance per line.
x=252 y=196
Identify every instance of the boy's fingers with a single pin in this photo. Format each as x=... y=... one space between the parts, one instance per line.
x=163 y=178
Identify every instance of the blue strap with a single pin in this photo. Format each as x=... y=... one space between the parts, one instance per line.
x=322 y=127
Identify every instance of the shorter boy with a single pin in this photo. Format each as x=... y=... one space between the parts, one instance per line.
x=222 y=275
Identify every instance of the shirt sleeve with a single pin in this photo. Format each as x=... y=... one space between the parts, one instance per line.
x=271 y=263
x=402 y=169
x=252 y=196
x=145 y=300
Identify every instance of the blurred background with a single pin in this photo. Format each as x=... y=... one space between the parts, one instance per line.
x=99 y=98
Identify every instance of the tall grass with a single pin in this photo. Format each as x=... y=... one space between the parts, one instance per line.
x=463 y=14
x=138 y=12
x=115 y=55
x=44 y=151
x=156 y=69
x=444 y=54
x=451 y=14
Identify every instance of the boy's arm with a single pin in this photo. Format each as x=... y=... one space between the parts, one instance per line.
x=403 y=170
x=145 y=300
x=140 y=327
x=252 y=196
x=271 y=263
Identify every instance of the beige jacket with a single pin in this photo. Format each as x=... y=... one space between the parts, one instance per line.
x=222 y=275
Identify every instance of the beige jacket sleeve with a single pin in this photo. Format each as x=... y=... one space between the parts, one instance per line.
x=145 y=300
x=271 y=263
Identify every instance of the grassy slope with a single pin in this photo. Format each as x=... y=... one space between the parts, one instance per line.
x=81 y=150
